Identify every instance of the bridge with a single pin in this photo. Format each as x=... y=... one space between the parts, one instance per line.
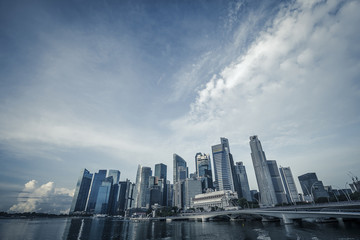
x=344 y=210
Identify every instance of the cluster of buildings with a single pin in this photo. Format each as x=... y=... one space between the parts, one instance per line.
x=104 y=193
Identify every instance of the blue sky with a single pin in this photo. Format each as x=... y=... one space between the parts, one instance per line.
x=114 y=84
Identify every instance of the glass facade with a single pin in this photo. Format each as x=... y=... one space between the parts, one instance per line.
x=241 y=175
x=267 y=196
x=81 y=191
x=94 y=189
x=223 y=166
x=289 y=185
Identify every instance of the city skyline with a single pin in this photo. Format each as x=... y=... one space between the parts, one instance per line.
x=107 y=85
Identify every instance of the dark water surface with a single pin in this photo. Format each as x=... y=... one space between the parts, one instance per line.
x=101 y=228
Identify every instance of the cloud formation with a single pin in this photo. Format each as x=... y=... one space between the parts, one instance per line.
x=296 y=85
x=44 y=198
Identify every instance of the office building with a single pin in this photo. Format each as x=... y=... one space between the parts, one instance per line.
x=312 y=187
x=191 y=187
x=114 y=200
x=223 y=166
x=103 y=201
x=142 y=199
x=263 y=177
x=81 y=191
x=180 y=169
x=94 y=190
x=289 y=185
x=276 y=179
x=242 y=178
x=124 y=188
x=203 y=170
x=161 y=174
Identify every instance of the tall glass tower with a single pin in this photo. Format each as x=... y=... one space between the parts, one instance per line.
x=203 y=169
x=81 y=191
x=289 y=184
x=223 y=166
x=263 y=177
x=240 y=171
x=180 y=170
x=142 y=198
x=94 y=190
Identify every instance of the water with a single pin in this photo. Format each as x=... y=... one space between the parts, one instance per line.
x=97 y=228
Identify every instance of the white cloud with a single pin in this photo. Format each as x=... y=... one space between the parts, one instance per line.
x=44 y=198
x=296 y=85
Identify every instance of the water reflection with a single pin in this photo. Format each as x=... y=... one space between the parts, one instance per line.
x=107 y=228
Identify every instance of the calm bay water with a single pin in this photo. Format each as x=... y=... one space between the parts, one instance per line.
x=95 y=228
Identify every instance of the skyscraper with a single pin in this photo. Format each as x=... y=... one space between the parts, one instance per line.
x=191 y=187
x=241 y=175
x=161 y=174
x=115 y=190
x=203 y=171
x=278 y=186
x=289 y=185
x=180 y=170
x=142 y=198
x=103 y=201
x=311 y=186
x=223 y=166
x=81 y=191
x=161 y=171
x=266 y=188
x=94 y=189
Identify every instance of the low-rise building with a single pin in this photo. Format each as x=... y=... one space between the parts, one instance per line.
x=220 y=199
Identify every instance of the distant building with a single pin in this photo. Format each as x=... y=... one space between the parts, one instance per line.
x=278 y=186
x=263 y=177
x=81 y=191
x=161 y=174
x=223 y=166
x=289 y=185
x=115 y=190
x=203 y=170
x=124 y=188
x=311 y=186
x=191 y=187
x=180 y=169
x=104 y=196
x=219 y=199
x=142 y=199
x=94 y=190
x=241 y=175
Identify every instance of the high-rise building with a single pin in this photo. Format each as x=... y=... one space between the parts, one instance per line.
x=289 y=185
x=311 y=186
x=191 y=187
x=94 y=190
x=103 y=201
x=203 y=170
x=223 y=166
x=170 y=193
x=196 y=161
x=142 y=199
x=161 y=174
x=242 y=178
x=81 y=191
x=180 y=170
x=178 y=194
x=115 y=190
x=263 y=177
x=161 y=171
x=115 y=174
x=131 y=196
x=124 y=188
x=278 y=186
